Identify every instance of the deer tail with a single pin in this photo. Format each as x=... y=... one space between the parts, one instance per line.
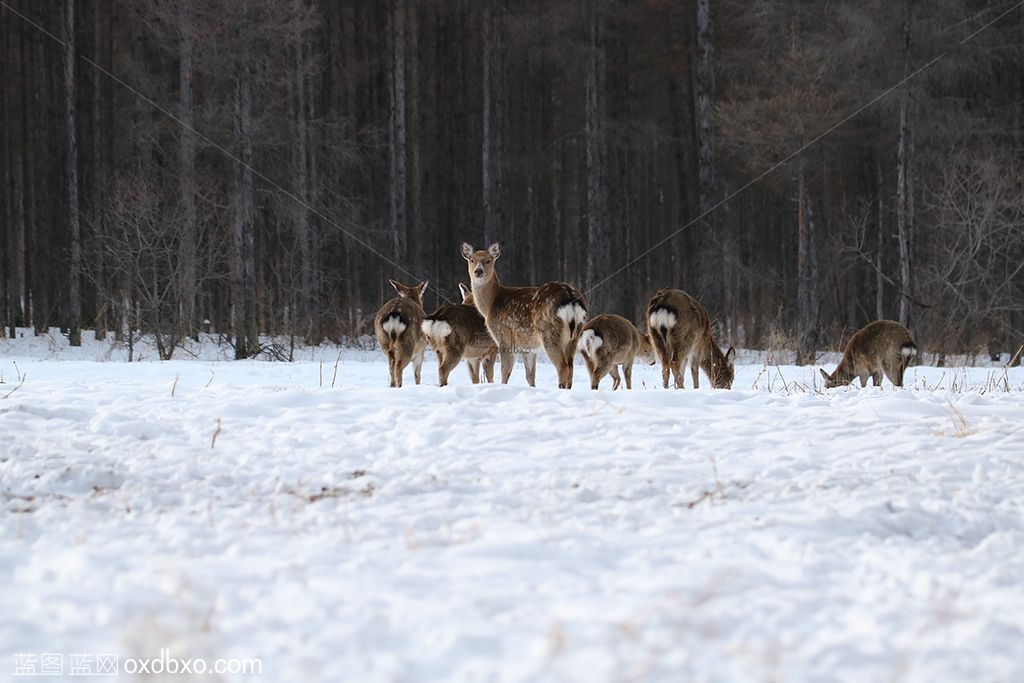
x=393 y=326
x=573 y=314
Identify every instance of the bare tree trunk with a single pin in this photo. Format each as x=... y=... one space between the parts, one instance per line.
x=805 y=343
x=399 y=225
x=486 y=157
x=313 y=265
x=15 y=246
x=187 y=161
x=813 y=290
x=416 y=142
x=243 y=273
x=127 y=314
x=904 y=188
x=75 y=276
x=340 y=50
x=879 y=264
x=94 y=213
x=682 y=96
x=500 y=124
x=598 y=237
x=7 y=197
x=35 y=293
x=301 y=171
x=709 y=261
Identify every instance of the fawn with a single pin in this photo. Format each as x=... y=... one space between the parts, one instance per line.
x=457 y=331
x=526 y=319
x=608 y=341
x=680 y=331
x=883 y=346
x=398 y=331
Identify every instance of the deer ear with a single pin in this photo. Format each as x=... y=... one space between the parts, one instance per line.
x=824 y=374
x=398 y=288
x=494 y=250
x=463 y=290
x=467 y=250
x=422 y=287
x=730 y=355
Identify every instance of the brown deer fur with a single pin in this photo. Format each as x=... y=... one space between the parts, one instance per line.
x=398 y=329
x=883 y=346
x=680 y=331
x=525 y=319
x=609 y=341
x=457 y=331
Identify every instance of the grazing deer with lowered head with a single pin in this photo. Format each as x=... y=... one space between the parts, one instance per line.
x=398 y=329
x=609 y=341
x=680 y=331
x=457 y=331
x=526 y=319
x=883 y=346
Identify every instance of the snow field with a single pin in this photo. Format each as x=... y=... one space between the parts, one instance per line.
x=503 y=533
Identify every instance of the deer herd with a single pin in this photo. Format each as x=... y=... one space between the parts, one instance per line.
x=498 y=322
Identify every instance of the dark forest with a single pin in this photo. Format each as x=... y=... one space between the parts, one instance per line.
x=255 y=167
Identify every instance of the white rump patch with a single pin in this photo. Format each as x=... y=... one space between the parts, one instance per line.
x=570 y=313
x=909 y=351
x=590 y=342
x=393 y=325
x=662 y=318
x=436 y=329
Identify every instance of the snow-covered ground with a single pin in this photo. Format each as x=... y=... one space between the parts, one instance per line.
x=305 y=515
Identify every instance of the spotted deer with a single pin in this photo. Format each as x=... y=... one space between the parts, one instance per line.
x=457 y=331
x=680 y=331
x=883 y=346
x=525 y=319
x=609 y=341
x=398 y=329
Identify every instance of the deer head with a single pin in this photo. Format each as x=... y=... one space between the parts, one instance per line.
x=481 y=263
x=415 y=293
x=645 y=354
x=837 y=378
x=467 y=294
x=723 y=369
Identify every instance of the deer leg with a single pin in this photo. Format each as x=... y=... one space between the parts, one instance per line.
x=400 y=364
x=592 y=371
x=863 y=381
x=489 y=368
x=473 y=365
x=600 y=369
x=397 y=368
x=677 y=372
x=876 y=378
x=694 y=372
x=392 y=362
x=554 y=351
x=530 y=361
x=894 y=371
x=569 y=352
x=508 y=361
x=899 y=373
x=451 y=361
x=417 y=366
x=442 y=378
x=616 y=380
x=627 y=373
x=662 y=352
